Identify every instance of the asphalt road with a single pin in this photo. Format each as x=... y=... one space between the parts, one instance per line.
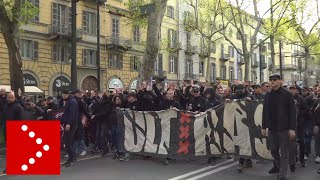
x=97 y=168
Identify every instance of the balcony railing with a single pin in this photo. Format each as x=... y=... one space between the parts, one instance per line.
x=203 y=51
x=63 y=30
x=118 y=41
x=225 y=57
x=241 y=61
x=288 y=67
x=191 y=49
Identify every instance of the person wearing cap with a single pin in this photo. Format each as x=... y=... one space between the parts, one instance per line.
x=279 y=121
x=50 y=108
x=70 y=123
x=302 y=112
x=197 y=103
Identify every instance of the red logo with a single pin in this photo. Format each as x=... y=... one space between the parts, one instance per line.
x=33 y=148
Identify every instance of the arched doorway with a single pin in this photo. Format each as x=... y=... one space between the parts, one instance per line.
x=90 y=83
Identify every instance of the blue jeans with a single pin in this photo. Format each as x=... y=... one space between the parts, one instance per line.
x=114 y=136
x=308 y=131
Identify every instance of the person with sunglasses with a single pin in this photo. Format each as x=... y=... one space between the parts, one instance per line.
x=279 y=121
x=265 y=86
x=197 y=103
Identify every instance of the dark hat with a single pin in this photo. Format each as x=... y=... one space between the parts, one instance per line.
x=239 y=87
x=132 y=94
x=67 y=91
x=195 y=88
x=50 y=98
x=275 y=75
x=76 y=91
x=292 y=86
x=305 y=88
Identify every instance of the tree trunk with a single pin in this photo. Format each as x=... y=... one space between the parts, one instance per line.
x=306 y=72
x=273 y=65
x=152 y=44
x=15 y=63
x=208 y=73
x=246 y=57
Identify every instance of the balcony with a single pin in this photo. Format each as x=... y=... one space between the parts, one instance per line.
x=61 y=31
x=241 y=61
x=173 y=46
x=120 y=43
x=189 y=76
x=191 y=49
x=225 y=57
x=203 y=52
x=288 y=67
x=254 y=63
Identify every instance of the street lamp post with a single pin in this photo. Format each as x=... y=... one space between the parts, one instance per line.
x=99 y=3
x=280 y=58
x=74 y=44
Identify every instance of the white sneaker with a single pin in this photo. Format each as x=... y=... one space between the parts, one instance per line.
x=83 y=153
x=317 y=160
x=66 y=156
x=305 y=157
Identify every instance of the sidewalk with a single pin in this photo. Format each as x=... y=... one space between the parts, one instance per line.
x=2 y=150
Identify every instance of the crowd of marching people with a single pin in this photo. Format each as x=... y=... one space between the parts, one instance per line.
x=89 y=118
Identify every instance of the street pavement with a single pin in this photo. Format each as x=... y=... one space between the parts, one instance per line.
x=137 y=168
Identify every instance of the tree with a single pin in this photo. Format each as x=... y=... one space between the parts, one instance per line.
x=206 y=15
x=304 y=30
x=152 y=12
x=244 y=23
x=12 y=15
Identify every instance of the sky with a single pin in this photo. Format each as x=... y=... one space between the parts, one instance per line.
x=264 y=6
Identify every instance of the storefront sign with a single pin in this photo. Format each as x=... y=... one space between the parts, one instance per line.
x=29 y=80
x=115 y=83
x=61 y=83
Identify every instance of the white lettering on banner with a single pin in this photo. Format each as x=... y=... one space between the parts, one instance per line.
x=129 y=142
x=165 y=130
x=201 y=131
x=150 y=147
x=261 y=146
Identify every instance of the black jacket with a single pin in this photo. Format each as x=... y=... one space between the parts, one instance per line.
x=13 y=111
x=32 y=114
x=135 y=106
x=199 y=104
x=279 y=111
x=167 y=104
x=70 y=114
x=3 y=105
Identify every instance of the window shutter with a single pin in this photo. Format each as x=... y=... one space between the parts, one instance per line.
x=168 y=11
x=175 y=62
x=84 y=21
x=160 y=66
x=95 y=23
x=54 y=14
x=69 y=17
x=69 y=55
x=54 y=52
x=169 y=37
x=35 y=49
x=84 y=57
x=120 y=61
x=36 y=4
x=131 y=62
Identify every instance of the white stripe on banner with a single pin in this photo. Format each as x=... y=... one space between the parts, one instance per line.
x=201 y=170
x=213 y=171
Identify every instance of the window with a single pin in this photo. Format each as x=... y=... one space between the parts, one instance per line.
x=115 y=61
x=223 y=72
x=35 y=3
x=172 y=36
x=231 y=72
x=188 y=38
x=135 y=63
x=115 y=27
x=187 y=16
x=189 y=68
x=230 y=33
x=61 y=53
x=158 y=63
x=61 y=18
x=213 y=71
x=89 y=22
x=170 y=12
x=29 y=49
x=213 y=47
x=136 y=34
x=89 y=57
x=231 y=51
x=173 y=65
x=201 y=68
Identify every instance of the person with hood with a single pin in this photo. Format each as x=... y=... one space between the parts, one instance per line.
x=70 y=124
x=211 y=95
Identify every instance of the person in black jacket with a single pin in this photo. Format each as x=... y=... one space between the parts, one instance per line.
x=169 y=102
x=32 y=111
x=50 y=108
x=302 y=112
x=197 y=103
x=3 y=104
x=279 y=123
x=212 y=97
x=70 y=124
x=133 y=103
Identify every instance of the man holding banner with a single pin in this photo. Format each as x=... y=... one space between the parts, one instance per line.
x=279 y=123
